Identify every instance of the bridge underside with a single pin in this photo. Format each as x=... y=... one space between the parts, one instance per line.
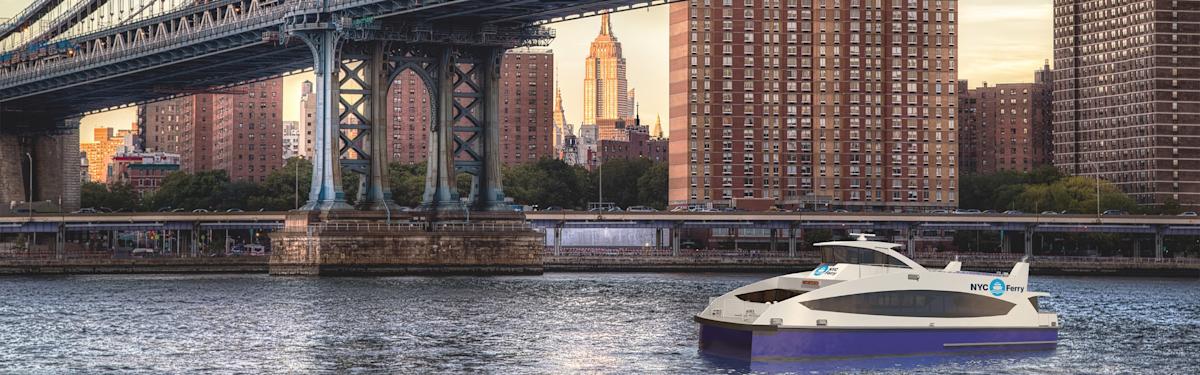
x=356 y=49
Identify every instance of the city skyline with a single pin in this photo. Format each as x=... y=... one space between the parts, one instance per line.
x=998 y=43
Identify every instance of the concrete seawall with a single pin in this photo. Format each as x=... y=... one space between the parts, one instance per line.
x=625 y=263
x=134 y=266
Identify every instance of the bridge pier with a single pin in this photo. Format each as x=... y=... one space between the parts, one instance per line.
x=54 y=155
x=355 y=66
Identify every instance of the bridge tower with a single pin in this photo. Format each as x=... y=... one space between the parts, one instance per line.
x=355 y=62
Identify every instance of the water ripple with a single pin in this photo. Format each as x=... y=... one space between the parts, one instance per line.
x=558 y=323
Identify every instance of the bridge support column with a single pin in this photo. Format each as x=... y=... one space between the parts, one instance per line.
x=1029 y=241
x=558 y=239
x=1005 y=244
x=658 y=238
x=326 y=191
x=1158 y=243
x=792 y=232
x=911 y=241
x=371 y=121
x=675 y=234
x=465 y=136
x=60 y=241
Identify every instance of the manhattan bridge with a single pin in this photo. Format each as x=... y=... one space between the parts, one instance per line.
x=63 y=59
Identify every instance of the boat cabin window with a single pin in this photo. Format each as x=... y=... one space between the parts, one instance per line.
x=769 y=295
x=855 y=255
x=1033 y=301
x=915 y=303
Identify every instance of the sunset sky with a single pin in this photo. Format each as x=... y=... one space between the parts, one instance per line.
x=999 y=41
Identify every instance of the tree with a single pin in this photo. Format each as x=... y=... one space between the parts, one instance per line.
x=117 y=196
x=407 y=182
x=547 y=182
x=283 y=190
x=652 y=186
x=190 y=191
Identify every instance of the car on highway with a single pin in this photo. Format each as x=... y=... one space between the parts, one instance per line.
x=142 y=252
x=938 y=212
x=1013 y=212
x=641 y=209
x=968 y=211
x=256 y=250
x=1114 y=212
x=1188 y=213
x=1049 y=212
x=841 y=211
x=231 y=210
x=200 y=211
x=86 y=210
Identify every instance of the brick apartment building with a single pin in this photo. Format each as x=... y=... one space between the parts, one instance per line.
x=847 y=104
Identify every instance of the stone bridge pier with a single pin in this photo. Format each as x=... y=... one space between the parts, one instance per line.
x=355 y=64
x=49 y=159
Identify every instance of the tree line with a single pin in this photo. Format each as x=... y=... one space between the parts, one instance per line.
x=544 y=183
x=1048 y=189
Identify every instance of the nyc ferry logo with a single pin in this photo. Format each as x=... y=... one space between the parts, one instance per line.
x=821 y=270
x=997 y=287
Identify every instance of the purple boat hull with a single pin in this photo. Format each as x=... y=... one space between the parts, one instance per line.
x=769 y=343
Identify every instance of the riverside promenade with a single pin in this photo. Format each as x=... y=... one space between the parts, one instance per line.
x=624 y=260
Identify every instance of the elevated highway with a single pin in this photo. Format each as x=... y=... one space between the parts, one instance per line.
x=788 y=226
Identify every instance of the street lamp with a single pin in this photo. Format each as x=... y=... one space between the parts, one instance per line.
x=29 y=196
x=296 y=198
x=29 y=201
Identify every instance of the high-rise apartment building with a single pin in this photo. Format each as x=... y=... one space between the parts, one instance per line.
x=1126 y=106
x=99 y=152
x=308 y=104
x=812 y=103
x=527 y=126
x=239 y=130
x=1001 y=127
x=248 y=131
x=291 y=139
x=180 y=126
x=606 y=93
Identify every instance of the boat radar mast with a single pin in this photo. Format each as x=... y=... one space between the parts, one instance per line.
x=862 y=236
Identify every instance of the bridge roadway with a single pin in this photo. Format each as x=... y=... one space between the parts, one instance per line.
x=788 y=226
x=227 y=42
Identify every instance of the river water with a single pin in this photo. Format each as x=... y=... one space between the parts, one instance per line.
x=557 y=323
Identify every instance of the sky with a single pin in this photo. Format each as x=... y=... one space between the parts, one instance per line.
x=999 y=42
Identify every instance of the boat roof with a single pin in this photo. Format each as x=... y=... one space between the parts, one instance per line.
x=885 y=248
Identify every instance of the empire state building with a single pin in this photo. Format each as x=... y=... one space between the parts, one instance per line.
x=605 y=91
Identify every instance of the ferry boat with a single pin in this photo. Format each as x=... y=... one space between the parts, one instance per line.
x=866 y=299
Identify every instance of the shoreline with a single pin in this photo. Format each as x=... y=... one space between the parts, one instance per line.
x=614 y=264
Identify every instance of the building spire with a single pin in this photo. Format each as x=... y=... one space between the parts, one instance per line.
x=657 y=131
x=605 y=25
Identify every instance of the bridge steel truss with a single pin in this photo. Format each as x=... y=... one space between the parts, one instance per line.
x=354 y=69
